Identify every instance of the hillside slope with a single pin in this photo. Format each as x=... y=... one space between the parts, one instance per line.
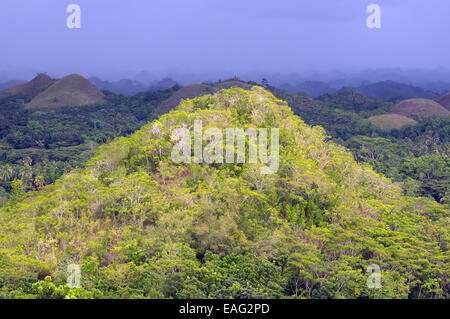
x=30 y=89
x=11 y=83
x=389 y=122
x=72 y=90
x=141 y=226
x=445 y=101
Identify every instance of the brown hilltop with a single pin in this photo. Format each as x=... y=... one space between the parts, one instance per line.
x=389 y=122
x=30 y=89
x=445 y=101
x=72 y=90
x=421 y=108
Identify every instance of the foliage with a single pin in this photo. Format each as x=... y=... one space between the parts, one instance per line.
x=141 y=226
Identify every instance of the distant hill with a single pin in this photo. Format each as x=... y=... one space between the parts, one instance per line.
x=350 y=99
x=124 y=86
x=72 y=90
x=132 y=87
x=312 y=88
x=393 y=91
x=142 y=225
x=445 y=101
x=30 y=89
x=163 y=84
x=421 y=108
x=389 y=122
x=440 y=87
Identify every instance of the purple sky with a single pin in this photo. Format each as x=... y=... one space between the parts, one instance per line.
x=124 y=37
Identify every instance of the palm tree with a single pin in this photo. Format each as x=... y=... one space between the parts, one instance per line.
x=6 y=172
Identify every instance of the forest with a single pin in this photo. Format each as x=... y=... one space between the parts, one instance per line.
x=347 y=195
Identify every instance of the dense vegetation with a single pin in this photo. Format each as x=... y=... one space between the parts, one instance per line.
x=141 y=226
x=37 y=147
x=417 y=156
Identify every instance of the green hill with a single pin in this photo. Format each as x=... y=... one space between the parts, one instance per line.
x=30 y=89
x=141 y=226
x=389 y=122
x=194 y=90
x=421 y=108
x=72 y=90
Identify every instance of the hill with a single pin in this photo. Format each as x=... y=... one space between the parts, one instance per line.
x=124 y=86
x=352 y=100
x=393 y=91
x=140 y=225
x=445 y=101
x=163 y=84
x=30 y=89
x=389 y=122
x=72 y=90
x=194 y=90
x=421 y=108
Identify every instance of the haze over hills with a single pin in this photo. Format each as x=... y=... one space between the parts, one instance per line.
x=132 y=87
x=388 y=85
x=124 y=86
x=388 y=90
x=30 y=89
x=312 y=88
x=72 y=90
x=11 y=83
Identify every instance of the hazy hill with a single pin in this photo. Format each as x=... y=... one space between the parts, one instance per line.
x=124 y=86
x=30 y=89
x=393 y=91
x=389 y=122
x=445 y=101
x=72 y=90
x=132 y=87
x=421 y=108
x=350 y=99
x=142 y=226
